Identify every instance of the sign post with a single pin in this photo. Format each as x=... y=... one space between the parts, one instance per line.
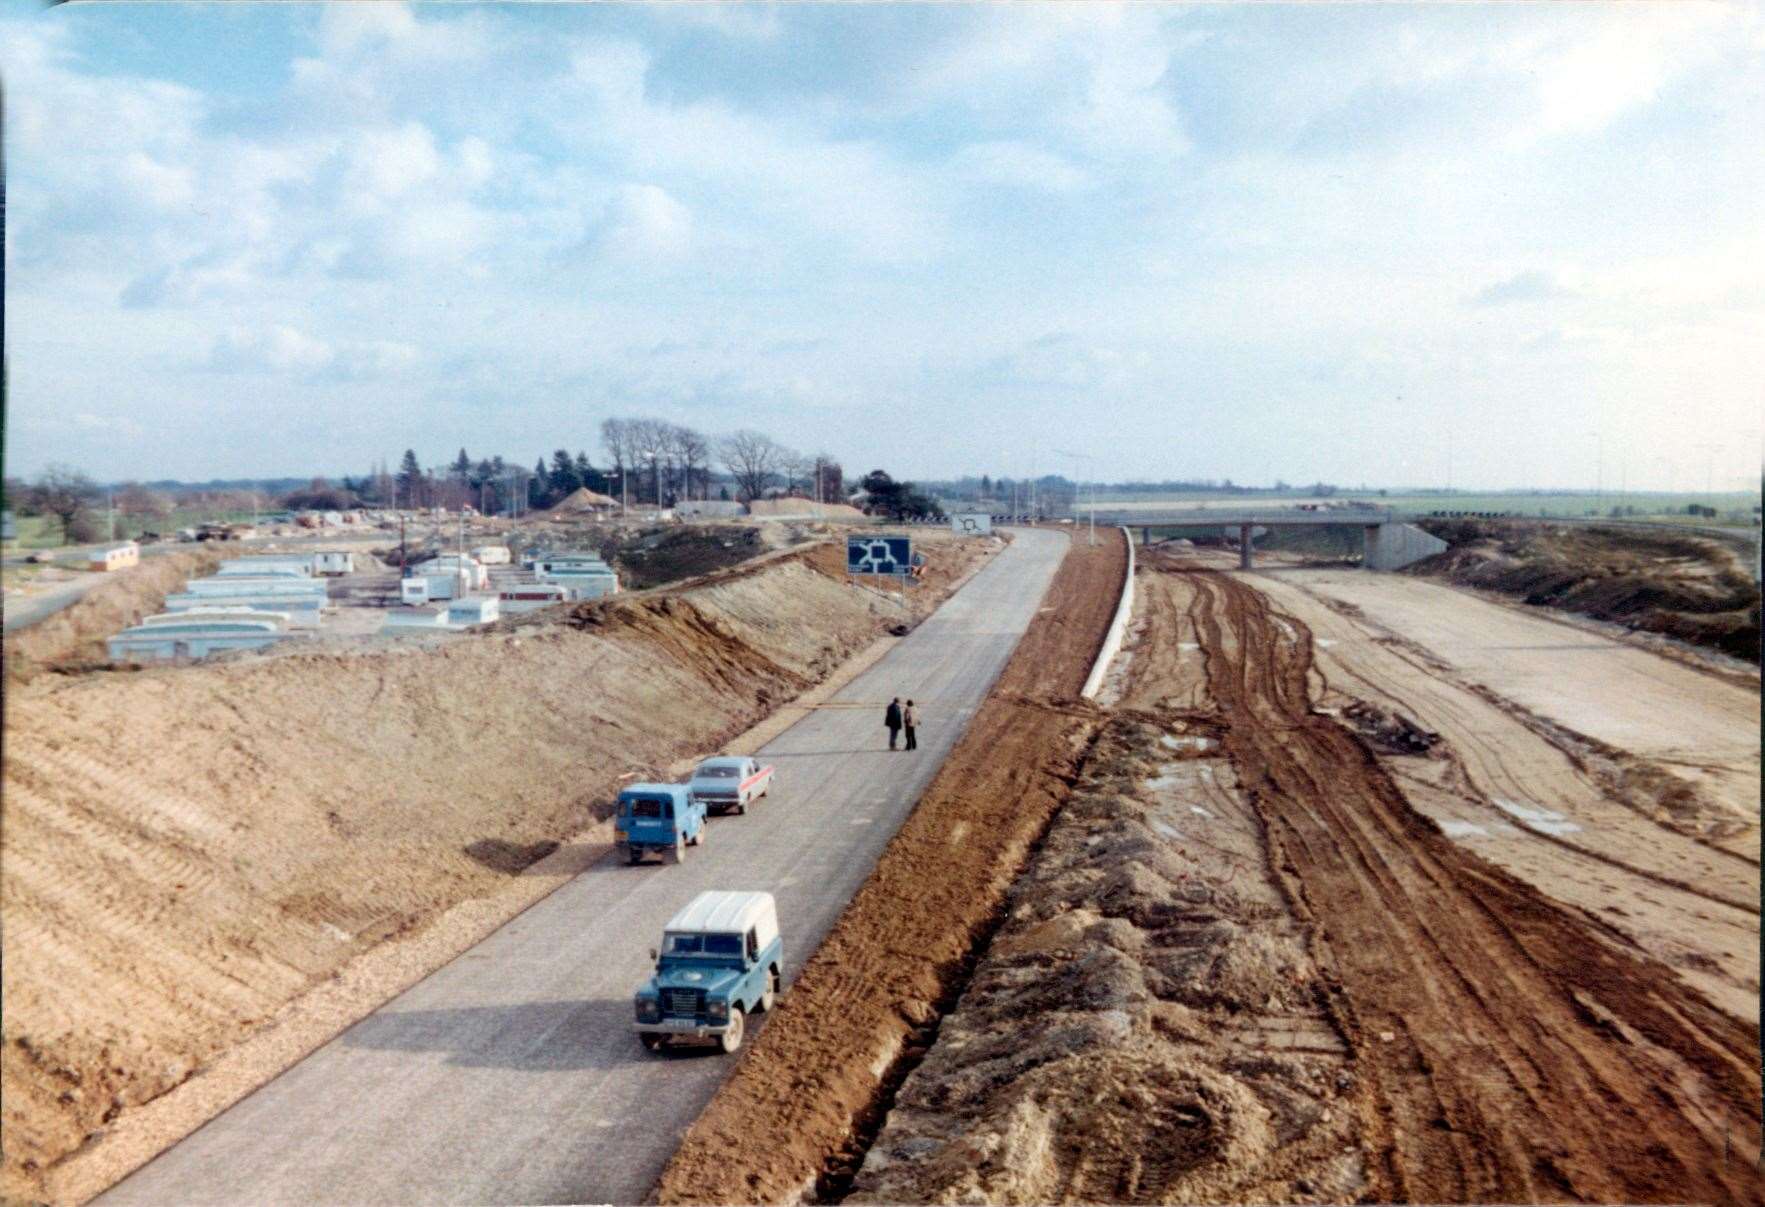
x=889 y=555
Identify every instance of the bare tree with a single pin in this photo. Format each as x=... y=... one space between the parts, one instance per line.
x=695 y=458
x=752 y=458
x=796 y=468
x=650 y=446
x=829 y=479
x=63 y=492
x=134 y=499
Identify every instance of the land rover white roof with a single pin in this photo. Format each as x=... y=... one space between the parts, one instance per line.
x=726 y=912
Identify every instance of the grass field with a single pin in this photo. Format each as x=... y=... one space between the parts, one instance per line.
x=44 y=532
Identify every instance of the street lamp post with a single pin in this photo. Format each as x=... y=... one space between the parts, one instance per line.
x=1599 y=472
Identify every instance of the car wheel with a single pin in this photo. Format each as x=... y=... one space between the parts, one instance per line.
x=731 y=1039
x=651 y=1043
x=679 y=848
x=740 y=808
x=699 y=838
x=636 y=856
x=770 y=997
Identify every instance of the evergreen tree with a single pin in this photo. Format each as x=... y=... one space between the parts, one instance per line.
x=539 y=489
x=462 y=467
x=410 y=476
x=564 y=476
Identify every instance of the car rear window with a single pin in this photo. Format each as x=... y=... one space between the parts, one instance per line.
x=718 y=773
x=652 y=808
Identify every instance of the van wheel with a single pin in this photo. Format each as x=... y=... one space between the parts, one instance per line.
x=699 y=838
x=731 y=1039
x=651 y=1043
x=770 y=997
x=679 y=848
x=636 y=856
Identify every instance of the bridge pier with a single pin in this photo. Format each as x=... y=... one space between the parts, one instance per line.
x=1244 y=546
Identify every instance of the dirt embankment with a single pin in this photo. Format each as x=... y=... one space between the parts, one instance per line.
x=799 y=1111
x=75 y=636
x=1509 y=1051
x=1147 y=1026
x=1690 y=587
x=186 y=850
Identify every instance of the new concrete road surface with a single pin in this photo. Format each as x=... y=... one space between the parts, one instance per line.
x=512 y=1075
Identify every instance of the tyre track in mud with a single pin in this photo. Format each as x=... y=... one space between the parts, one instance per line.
x=1513 y=1054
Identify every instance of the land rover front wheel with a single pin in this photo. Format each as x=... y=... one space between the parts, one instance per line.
x=770 y=997
x=731 y=1039
x=680 y=848
x=651 y=1043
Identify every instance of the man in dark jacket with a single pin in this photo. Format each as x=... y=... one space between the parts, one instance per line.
x=892 y=720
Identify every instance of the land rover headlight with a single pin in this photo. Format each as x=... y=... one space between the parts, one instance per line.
x=649 y=1009
x=717 y=1008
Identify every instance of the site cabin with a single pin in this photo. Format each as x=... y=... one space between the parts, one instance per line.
x=333 y=563
x=116 y=557
x=726 y=784
x=720 y=961
x=492 y=555
x=663 y=818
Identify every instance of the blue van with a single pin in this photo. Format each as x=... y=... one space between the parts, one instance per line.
x=663 y=818
x=719 y=963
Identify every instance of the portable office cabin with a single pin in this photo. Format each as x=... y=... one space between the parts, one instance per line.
x=334 y=562
x=257 y=584
x=529 y=597
x=476 y=575
x=464 y=613
x=280 y=621
x=115 y=557
x=265 y=568
x=492 y=555
x=585 y=586
x=570 y=563
x=302 y=613
x=196 y=639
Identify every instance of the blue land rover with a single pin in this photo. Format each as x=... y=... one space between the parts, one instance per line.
x=663 y=818
x=719 y=962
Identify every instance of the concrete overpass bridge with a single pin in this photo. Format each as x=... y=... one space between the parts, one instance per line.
x=1390 y=540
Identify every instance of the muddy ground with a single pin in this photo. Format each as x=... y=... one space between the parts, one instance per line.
x=1252 y=962
x=1696 y=588
x=798 y=1112
x=187 y=849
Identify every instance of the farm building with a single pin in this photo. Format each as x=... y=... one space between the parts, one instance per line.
x=115 y=557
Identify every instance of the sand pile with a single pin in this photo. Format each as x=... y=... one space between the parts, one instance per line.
x=772 y=508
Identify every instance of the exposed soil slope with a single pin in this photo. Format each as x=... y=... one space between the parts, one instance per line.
x=798 y=1111
x=187 y=849
x=1512 y=1054
x=1685 y=586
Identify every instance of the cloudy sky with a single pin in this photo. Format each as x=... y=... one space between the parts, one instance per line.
x=1366 y=243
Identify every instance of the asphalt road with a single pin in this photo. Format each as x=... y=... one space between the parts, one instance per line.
x=512 y=1074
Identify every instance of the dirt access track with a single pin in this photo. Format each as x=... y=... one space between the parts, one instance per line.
x=1249 y=964
x=798 y=1112
x=193 y=855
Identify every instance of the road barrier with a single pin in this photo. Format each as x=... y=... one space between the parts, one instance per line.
x=1112 y=640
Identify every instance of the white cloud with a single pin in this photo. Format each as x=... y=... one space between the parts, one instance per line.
x=281 y=349
x=645 y=223
x=387 y=163
x=1020 y=165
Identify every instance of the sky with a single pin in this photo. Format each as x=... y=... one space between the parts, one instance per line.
x=1479 y=245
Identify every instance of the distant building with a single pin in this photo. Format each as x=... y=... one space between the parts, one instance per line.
x=115 y=557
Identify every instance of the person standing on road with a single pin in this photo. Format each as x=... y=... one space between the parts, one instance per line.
x=910 y=721
x=892 y=722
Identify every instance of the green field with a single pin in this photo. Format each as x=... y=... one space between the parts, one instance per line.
x=44 y=532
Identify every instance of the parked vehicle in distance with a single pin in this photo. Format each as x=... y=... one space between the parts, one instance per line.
x=727 y=783
x=663 y=818
x=719 y=962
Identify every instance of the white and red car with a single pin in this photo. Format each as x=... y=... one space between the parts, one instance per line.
x=726 y=784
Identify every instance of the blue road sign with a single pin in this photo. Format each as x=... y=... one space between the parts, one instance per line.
x=879 y=554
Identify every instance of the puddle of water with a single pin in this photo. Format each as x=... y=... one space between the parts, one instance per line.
x=1167 y=831
x=1185 y=742
x=1197 y=809
x=1164 y=783
x=1542 y=820
x=1452 y=827
x=1187 y=645
x=1323 y=643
